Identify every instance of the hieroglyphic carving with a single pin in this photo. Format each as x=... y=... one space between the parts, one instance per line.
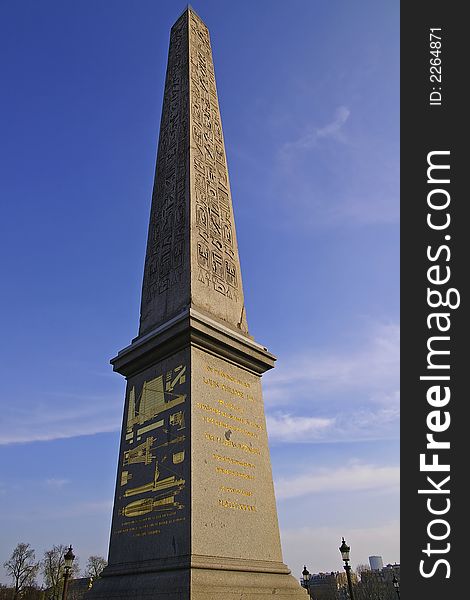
x=165 y=257
x=216 y=252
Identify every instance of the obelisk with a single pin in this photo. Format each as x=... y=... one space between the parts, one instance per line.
x=194 y=510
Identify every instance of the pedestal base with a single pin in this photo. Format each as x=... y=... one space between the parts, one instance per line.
x=198 y=584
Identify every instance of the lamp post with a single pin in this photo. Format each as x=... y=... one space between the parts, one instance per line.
x=305 y=579
x=396 y=585
x=68 y=561
x=344 y=549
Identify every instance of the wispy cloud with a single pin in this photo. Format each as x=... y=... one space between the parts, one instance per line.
x=352 y=424
x=310 y=139
x=288 y=428
x=45 y=511
x=56 y=483
x=61 y=416
x=335 y=174
x=372 y=366
x=353 y=477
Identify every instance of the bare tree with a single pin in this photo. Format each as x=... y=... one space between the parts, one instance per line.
x=5 y=592
x=22 y=568
x=94 y=566
x=53 y=570
x=361 y=568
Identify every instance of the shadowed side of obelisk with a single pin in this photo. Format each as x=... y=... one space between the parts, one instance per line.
x=166 y=283
x=194 y=511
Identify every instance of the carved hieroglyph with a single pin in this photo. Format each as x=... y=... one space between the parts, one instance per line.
x=192 y=254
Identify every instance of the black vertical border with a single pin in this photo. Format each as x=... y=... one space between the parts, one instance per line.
x=426 y=128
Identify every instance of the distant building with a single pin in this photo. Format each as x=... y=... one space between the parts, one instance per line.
x=390 y=570
x=376 y=563
x=374 y=584
x=327 y=586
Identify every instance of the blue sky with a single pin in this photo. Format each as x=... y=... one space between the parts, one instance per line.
x=309 y=95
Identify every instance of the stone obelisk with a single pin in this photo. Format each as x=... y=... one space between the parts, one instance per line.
x=194 y=509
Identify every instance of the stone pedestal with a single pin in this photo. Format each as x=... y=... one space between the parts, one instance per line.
x=194 y=510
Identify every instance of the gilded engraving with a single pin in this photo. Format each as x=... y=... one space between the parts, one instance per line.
x=227 y=415
x=236 y=505
x=231 y=490
x=228 y=426
x=147 y=505
x=233 y=473
x=140 y=454
x=226 y=375
x=177 y=420
x=231 y=444
x=158 y=484
x=178 y=457
x=156 y=396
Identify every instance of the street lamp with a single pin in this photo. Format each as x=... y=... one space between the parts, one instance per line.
x=396 y=585
x=344 y=549
x=305 y=579
x=68 y=561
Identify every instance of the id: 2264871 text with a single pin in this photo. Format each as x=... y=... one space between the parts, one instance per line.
x=435 y=66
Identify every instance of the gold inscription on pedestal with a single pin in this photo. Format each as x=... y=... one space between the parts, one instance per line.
x=230 y=444
x=225 y=375
x=233 y=461
x=237 y=505
x=231 y=406
x=229 y=427
x=224 y=403
x=227 y=415
x=213 y=383
x=234 y=473
x=231 y=490
x=226 y=388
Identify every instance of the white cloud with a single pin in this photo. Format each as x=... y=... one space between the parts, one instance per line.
x=337 y=396
x=353 y=477
x=288 y=428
